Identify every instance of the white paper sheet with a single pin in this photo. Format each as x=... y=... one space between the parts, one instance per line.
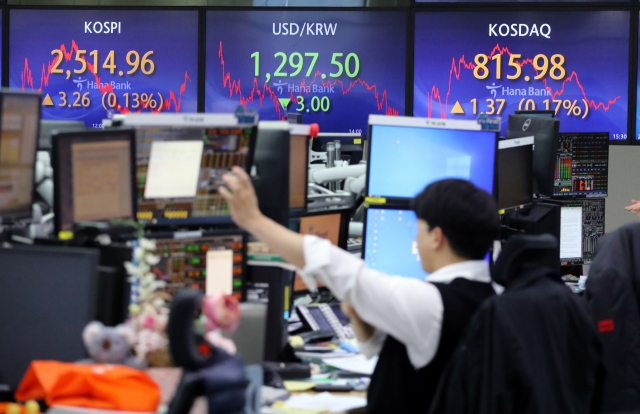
x=570 y=232
x=330 y=402
x=220 y=271
x=173 y=169
x=358 y=364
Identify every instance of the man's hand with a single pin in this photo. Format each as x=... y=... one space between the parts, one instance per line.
x=363 y=330
x=634 y=207
x=243 y=203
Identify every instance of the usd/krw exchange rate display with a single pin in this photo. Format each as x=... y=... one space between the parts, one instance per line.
x=332 y=67
x=90 y=64
x=573 y=63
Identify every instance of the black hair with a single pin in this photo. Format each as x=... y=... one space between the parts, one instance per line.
x=467 y=215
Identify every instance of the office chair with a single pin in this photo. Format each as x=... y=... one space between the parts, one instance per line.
x=518 y=252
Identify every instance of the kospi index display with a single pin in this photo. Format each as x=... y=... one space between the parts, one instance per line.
x=332 y=67
x=574 y=63
x=90 y=64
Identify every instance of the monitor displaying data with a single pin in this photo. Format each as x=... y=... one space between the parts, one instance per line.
x=211 y=263
x=92 y=64
x=575 y=63
x=404 y=160
x=19 y=118
x=333 y=68
x=93 y=176
x=179 y=170
x=581 y=225
x=390 y=242
x=582 y=166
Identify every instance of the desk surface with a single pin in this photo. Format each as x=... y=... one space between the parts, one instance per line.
x=168 y=379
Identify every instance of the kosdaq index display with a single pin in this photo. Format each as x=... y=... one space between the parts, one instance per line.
x=573 y=63
x=91 y=64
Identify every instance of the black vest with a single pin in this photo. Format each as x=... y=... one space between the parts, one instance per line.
x=396 y=386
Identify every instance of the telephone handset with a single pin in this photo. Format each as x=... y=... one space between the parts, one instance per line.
x=324 y=316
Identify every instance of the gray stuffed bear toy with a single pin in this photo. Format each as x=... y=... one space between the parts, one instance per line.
x=109 y=345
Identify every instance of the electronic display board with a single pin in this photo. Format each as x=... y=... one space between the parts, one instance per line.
x=332 y=67
x=575 y=63
x=90 y=64
x=520 y=1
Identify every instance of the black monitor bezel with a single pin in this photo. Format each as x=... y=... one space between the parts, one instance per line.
x=536 y=112
x=90 y=135
x=16 y=214
x=556 y=137
x=530 y=198
x=296 y=210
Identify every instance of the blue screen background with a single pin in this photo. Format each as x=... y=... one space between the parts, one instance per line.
x=389 y=243
x=404 y=160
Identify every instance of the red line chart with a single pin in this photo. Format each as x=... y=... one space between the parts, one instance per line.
x=435 y=96
x=26 y=76
x=260 y=93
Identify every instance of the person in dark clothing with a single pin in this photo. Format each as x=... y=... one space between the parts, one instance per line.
x=534 y=349
x=613 y=294
x=414 y=325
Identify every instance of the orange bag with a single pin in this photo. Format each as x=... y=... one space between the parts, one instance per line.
x=111 y=387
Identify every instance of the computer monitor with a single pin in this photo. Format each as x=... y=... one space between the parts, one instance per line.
x=332 y=225
x=270 y=171
x=18 y=142
x=298 y=165
x=545 y=135
x=48 y=128
x=581 y=225
x=540 y=113
x=390 y=242
x=181 y=159
x=93 y=175
x=407 y=154
x=582 y=165
x=210 y=262
x=47 y=297
x=515 y=176
x=351 y=145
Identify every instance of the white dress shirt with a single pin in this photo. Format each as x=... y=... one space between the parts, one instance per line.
x=408 y=309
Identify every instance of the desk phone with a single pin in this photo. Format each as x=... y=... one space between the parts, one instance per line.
x=324 y=316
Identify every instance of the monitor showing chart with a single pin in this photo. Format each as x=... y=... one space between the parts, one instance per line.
x=210 y=263
x=179 y=170
x=582 y=166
